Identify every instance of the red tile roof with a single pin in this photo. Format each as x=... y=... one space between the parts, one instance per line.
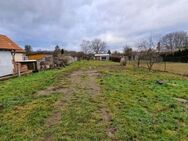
x=8 y=44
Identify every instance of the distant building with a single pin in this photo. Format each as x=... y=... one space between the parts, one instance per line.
x=102 y=57
x=10 y=52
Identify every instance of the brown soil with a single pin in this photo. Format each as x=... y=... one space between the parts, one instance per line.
x=110 y=131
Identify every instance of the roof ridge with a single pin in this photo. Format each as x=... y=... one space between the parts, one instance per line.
x=7 y=44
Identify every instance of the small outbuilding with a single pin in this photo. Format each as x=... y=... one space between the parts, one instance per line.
x=10 y=52
x=44 y=59
x=102 y=57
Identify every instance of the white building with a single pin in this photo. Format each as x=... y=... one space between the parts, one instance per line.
x=8 y=51
x=6 y=65
x=102 y=57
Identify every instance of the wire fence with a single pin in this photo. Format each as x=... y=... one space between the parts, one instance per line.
x=175 y=66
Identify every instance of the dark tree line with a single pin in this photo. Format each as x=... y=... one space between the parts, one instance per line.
x=174 y=47
x=178 y=56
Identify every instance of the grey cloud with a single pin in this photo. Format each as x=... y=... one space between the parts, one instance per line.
x=44 y=23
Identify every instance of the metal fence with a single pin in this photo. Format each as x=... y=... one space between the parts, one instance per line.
x=166 y=66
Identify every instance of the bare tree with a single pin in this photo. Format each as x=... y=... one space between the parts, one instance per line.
x=158 y=47
x=174 y=41
x=28 y=49
x=86 y=46
x=141 y=48
x=167 y=42
x=98 y=46
x=128 y=51
x=57 y=51
x=148 y=53
x=152 y=54
x=57 y=57
x=109 y=52
x=151 y=57
x=94 y=46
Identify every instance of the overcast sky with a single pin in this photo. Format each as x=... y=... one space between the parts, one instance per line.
x=45 y=23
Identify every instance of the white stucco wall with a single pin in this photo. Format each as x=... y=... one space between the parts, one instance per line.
x=19 y=57
x=6 y=66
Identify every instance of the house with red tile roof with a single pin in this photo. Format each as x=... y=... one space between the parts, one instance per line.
x=10 y=52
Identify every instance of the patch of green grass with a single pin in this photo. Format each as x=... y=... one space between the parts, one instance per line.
x=145 y=110
x=23 y=114
x=85 y=65
x=80 y=120
x=20 y=90
x=25 y=122
x=140 y=108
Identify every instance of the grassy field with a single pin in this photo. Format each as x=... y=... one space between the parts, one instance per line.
x=94 y=101
x=178 y=68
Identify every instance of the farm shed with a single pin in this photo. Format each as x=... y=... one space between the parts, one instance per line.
x=102 y=57
x=27 y=65
x=10 y=52
x=44 y=59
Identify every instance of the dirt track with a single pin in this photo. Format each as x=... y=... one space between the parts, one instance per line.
x=85 y=81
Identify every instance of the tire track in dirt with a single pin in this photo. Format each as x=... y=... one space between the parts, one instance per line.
x=75 y=83
x=110 y=130
x=65 y=88
x=94 y=90
x=80 y=80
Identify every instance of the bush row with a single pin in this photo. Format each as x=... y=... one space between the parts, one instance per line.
x=178 y=56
